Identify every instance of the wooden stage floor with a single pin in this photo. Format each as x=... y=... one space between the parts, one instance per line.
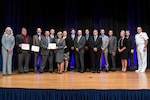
x=75 y=80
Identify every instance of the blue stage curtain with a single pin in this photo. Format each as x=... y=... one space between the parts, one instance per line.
x=83 y=94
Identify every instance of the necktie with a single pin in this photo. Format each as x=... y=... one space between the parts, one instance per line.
x=39 y=37
x=52 y=36
x=78 y=38
x=87 y=37
x=110 y=38
x=58 y=40
x=48 y=39
x=72 y=36
x=95 y=38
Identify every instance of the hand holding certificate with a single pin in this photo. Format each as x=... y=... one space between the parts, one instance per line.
x=52 y=46
x=25 y=46
x=35 y=48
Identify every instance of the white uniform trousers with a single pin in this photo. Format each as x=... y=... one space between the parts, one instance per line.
x=142 y=58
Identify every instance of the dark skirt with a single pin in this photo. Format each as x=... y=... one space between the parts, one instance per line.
x=124 y=54
x=59 y=57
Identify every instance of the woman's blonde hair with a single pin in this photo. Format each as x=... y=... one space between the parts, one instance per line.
x=59 y=33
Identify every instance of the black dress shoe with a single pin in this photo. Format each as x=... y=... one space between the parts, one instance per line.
x=82 y=71
x=93 y=71
x=41 y=71
x=113 y=70
x=51 y=71
x=20 y=72
x=77 y=70
x=98 y=71
x=106 y=70
x=26 y=72
x=132 y=69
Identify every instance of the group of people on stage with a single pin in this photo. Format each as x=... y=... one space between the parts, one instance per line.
x=88 y=50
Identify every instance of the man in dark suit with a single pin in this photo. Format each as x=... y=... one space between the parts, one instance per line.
x=46 y=53
x=52 y=33
x=112 y=47
x=130 y=48
x=53 y=36
x=79 y=44
x=23 y=55
x=72 y=50
x=87 y=58
x=95 y=45
x=36 y=42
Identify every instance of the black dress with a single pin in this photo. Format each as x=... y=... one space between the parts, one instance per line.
x=123 y=43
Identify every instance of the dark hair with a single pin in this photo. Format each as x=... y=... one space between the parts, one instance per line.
x=46 y=29
x=102 y=29
x=127 y=30
x=72 y=29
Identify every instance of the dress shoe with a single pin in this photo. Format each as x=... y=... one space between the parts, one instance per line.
x=106 y=70
x=50 y=71
x=98 y=71
x=20 y=72
x=93 y=71
x=41 y=71
x=137 y=70
x=35 y=69
x=132 y=69
x=82 y=71
x=9 y=74
x=113 y=70
x=26 y=72
x=142 y=71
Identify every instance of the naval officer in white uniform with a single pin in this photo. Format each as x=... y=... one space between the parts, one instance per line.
x=141 y=40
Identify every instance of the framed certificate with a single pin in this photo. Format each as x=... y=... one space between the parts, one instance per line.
x=35 y=48
x=52 y=45
x=25 y=46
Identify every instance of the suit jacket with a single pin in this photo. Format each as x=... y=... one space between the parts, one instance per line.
x=54 y=36
x=68 y=44
x=61 y=45
x=95 y=44
x=44 y=45
x=19 y=40
x=130 y=43
x=87 y=41
x=80 y=45
x=72 y=41
x=7 y=42
x=36 y=40
x=105 y=41
x=112 y=46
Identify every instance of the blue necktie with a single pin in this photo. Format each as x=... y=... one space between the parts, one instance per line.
x=110 y=38
x=79 y=38
x=48 y=39
x=87 y=37
x=95 y=38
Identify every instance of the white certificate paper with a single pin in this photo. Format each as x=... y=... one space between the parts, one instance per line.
x=35 y=48
x=52 y=45
x=25 y=46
